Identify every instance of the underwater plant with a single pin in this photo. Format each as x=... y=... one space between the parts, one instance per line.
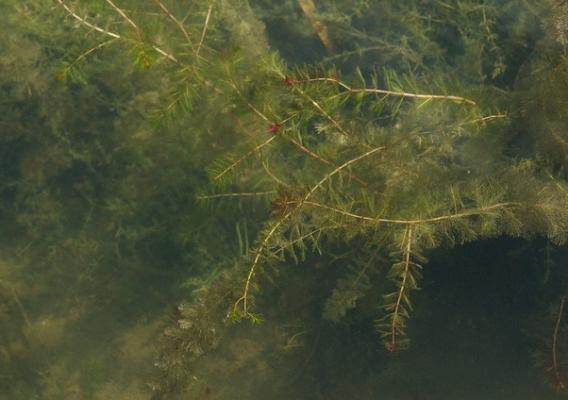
x=382 y=132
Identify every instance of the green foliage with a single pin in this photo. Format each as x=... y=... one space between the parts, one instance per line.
x=98 y=201
x=397 y=305
x=353 y=285
x=390 y=130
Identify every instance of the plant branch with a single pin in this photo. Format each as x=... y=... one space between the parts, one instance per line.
x=316 y=105
x=324 y=161
x=125 y=17
x=272 y=176
x=339 y=169
x=86 y=23
x=310 y=234
x=86 y=53
x=294 y=142
x=244 y=157
x=204 y=32
x=245 y=296
x=264 y=244
x=442 y=218
x=176 y=21
x=236 y=194
x=393 y=344
x=561 y=385
x=349 y=90
x=110 y=33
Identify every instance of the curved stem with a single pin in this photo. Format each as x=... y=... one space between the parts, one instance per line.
x=110 y=33
x=349 y=89
x=561 y=385
x=264 y=244
x=393 y=344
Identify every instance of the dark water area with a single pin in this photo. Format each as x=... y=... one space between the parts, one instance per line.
x=476 y=342
x=293 y=199
x=472 y=335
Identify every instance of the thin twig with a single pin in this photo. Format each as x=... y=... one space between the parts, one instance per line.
x=442 y=218
x=264 y=244
x=294 y=142
x=323 y=112
x=21 y=308
x=86 y=23
x=324 y=161
x=176 y=21
x=253 y=108
x=340 y=168
x=126 y=18
x=309 y=234
x=86 y=53
x=385 y=46
x=317 y=106
x=407 y=242
x=244 y=298
x=204 y=32
x=272 y=176
x=165 y=54
x=236 y=194
x=346 y=54
x=349 y=89
x=561 y=385
x=240 y=160
x=486 y=118
x=110 y=33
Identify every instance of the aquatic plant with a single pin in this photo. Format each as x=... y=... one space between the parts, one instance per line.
x=397 y=129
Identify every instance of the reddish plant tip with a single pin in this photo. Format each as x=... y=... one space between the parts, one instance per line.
x=289 y=81
x=560 y=382
x=392 y=347
x=274 y=128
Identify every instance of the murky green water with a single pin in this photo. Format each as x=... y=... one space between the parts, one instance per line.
x=297 y=199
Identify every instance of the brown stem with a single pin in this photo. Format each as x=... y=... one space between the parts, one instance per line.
x=242 y=302
x=204 y=32
x=176 y=21
x=463 y=214
x=326 y=162
x=240 y=194
x=560 y=383
x=109 y=33
x=294 y=142
x=349 y=89
x=393 y=343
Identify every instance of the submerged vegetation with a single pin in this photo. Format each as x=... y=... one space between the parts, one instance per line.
x=169 y=169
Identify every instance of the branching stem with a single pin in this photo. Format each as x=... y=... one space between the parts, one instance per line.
x=87 y=23
x=178 y=23
x=243 y=300
x=125 y=17
x=86 y=53
x=441 y=218
x=407 y=243
x=256 y=149
x=294 y=142
x=110 y=33
x=324 y=161
x=350 y=90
